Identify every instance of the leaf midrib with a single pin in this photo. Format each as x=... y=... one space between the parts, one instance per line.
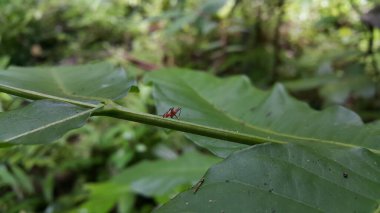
x=47 y=96
x=41 y=128
x=66 y=91
x=61 y=86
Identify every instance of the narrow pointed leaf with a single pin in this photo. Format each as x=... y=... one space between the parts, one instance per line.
x=287 y=178
x=40 y=122
x=234 y=104
x=85 y=84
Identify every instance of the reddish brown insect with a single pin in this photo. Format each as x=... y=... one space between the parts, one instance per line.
x=172 y=112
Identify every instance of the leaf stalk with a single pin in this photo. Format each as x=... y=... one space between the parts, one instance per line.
x=117 y=111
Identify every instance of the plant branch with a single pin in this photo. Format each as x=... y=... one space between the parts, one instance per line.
x=116 y=111
x=28 y=94
x=111 y=109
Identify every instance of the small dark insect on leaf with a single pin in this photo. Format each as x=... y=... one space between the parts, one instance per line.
x=345 y=175
x=198 y=185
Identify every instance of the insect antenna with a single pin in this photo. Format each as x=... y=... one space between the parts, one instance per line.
x=180 y=110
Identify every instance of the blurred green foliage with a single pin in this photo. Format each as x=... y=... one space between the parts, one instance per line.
x=318 y=49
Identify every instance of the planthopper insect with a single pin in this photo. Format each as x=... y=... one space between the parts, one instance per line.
x=172 y=112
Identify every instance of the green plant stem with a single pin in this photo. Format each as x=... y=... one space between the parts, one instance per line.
x=39 y=96
x=116 y=111
x=111 y=109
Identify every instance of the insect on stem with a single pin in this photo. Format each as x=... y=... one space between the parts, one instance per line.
x=172 y=112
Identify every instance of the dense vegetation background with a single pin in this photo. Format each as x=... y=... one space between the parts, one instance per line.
x=324 y=52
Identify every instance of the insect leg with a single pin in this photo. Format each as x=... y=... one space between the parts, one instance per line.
x=166 y=114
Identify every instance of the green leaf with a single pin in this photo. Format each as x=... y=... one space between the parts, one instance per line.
x=212 y=6
x=181 y=22
x=356 y=85
x=287 y=178
x=150 y=178
x=85 y=85
x=6 y=178
x=273 y=117
x=309 y=83
x=159 y=177
x=41 y=122
x=23 y=180
x=103 y=197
